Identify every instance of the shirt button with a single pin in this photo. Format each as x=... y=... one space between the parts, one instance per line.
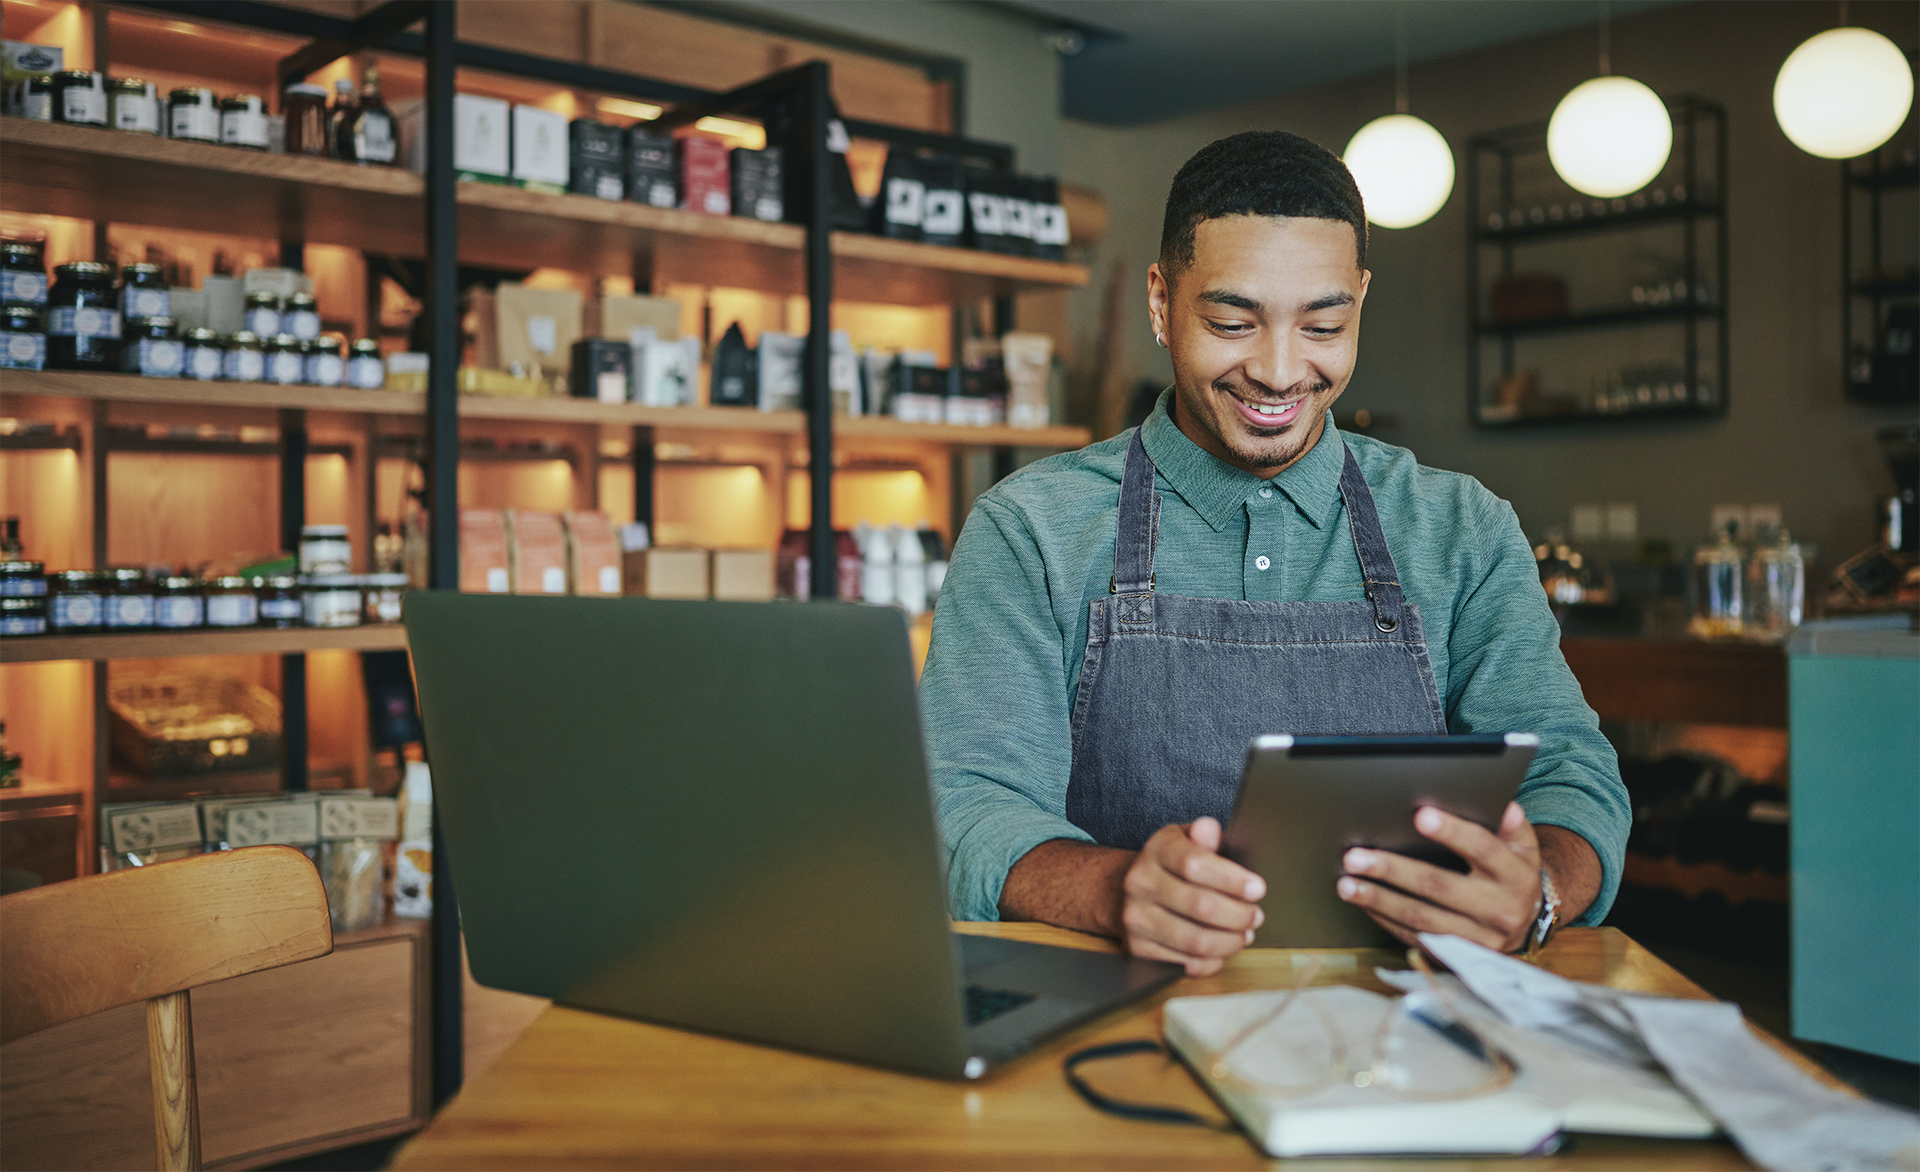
x=1266 y=493
x=1262 y=562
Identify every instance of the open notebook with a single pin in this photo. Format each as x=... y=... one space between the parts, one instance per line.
x=1557 y=1087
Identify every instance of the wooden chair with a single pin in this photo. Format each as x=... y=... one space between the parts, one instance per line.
x=151 y=934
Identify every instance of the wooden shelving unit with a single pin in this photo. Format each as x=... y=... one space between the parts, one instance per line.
x=241 y=641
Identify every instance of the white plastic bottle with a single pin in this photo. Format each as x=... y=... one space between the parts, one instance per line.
x=910 y=569
x=877 y=577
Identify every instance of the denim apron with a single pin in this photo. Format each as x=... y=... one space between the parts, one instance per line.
x=1172 y=688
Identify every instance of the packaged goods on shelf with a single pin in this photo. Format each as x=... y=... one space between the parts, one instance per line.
x=330 y=600
x=478 y=380
x=536 y=329
x=596 y=159
x=23 y=272
x=243 y=121
x=21 y=61
x=793 y=565
x=917 y=389
x=621 y=314
x=144 y=292
x=786 y=130
x=282 y=283
x=903 y=198
x=83 y=325
x=601 y=369
x=172 y=724
x=483 y=552
x=665 y=374
x=988 y=227
x=150 y=349
x=536 y=552
x=757 y=183
x=413 y=861
x=667 y=573
x=354 y=832
x=843 y=374
x=366 y=370
x=743 y=575
x=539 y=149
x=652 y=176
x=23 y=338
x=875 y=366
x=778 y=361
x=365 y=132
x=139 y=834
x=482 y=137
x=1050 y=227
x=193 y=114
x=736 y=375
x=1028 y=361
x=304 y=109
x=80 y=97
x=593 y=553
x=226 y=303
x=703 y=173
x=943 y=217
x=288 y=820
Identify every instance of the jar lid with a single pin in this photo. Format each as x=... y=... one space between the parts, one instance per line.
x=159 y=323
x=23 y=315
x=22 y=569
x=263 y=297
x=300 y=299
x=72 y=75
x=386 y=581
x=332 y=582
x=41 y=80
x=23 y=247
x=79 y=577
x=240 y=102
x=339 y=531
x=284 y=341
x=230 y=582
x=203 y=334
x=327 y=344
x=305 y=90
x=144 y=268
x=192 y=93
x=129 y=85
x=243 y=338
x=279 y=581
x=178 y=582
x=23 y=604
x=83 y=268
x=127 y=574
x=367 y=346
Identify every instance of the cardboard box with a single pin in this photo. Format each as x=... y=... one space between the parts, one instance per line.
x=665 y=374
x=596 y=159
x=482 y=137
x=756 y=183
x=540 y=145
x=537 y=329
x=743 y=575
x=705 y=177
x=653 y=178
x=667 y=573
x=483 y=552
x=1029 y=365
x=602 y=369
x=593 y=554
x=779 y=367
x=536 y=552
x=620 y=313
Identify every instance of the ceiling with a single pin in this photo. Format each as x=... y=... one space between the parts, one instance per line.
x=1143 y=60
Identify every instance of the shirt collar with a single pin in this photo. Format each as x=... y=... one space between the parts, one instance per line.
x=1217 y=490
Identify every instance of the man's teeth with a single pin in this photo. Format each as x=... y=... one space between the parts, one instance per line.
x=1274 y=409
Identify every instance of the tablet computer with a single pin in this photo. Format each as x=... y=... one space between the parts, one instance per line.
x=1304 y=800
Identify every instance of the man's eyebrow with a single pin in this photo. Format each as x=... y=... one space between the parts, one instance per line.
x=1330 y=301
x=1238 y=301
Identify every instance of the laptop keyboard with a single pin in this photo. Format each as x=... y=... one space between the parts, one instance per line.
x=984 y=1004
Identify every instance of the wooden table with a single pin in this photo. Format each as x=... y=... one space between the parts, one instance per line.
x=584 y=1090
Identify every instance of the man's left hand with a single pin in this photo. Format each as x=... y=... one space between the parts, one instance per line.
x=1495 y=903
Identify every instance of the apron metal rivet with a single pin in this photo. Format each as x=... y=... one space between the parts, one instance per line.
x=1388 y=625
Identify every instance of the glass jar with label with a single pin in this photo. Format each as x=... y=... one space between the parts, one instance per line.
x=300 y=317
x=128 y=599
x=136 y=105
x=22 y=616
x=76 y=601
x=325 y=366
x=332 y=600
x=246 y=358
x=178 y=603
x=279 y=597
x=243 y=121
x=193 y=114
x=23 y=272
x=143 y=292
x=204 y=356
x=80 y=96
x=365 y=369
x=263 y=313
x=381 y=594
x=231 y=602
x=285 y=365
x=83 y=326
x=305 y=109
x=36 y=97
x=23 y=338
x=150 y=349
x=325 y=550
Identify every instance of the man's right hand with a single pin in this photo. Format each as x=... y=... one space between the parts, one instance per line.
x=1186 y=903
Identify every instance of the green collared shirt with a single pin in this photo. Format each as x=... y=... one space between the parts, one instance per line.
x=1011 y=628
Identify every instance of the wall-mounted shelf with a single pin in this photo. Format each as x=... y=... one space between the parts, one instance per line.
x=1628 y=217
x=1601 y=319
x=238 y=641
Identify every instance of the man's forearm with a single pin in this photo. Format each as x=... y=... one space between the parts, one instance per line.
x=1575 y=869
x=1072 y=884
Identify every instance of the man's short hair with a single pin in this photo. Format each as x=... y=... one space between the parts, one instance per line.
x=1258 y=173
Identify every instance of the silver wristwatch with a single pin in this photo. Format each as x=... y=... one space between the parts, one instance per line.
x=1549 y=918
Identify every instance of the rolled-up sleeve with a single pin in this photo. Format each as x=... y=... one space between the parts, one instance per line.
x=994 y=703
x=1508 y=675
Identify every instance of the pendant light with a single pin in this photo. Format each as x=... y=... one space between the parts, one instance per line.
x=1401 y=164
x=1610 y=136
x=1843 y=92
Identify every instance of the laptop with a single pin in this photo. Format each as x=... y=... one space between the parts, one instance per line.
x=716 y=815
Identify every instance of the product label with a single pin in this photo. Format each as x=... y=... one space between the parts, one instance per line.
x=989 y=213
x=295 y=823
x=87 y=106
x=155 y=828
x=34 y=587
x=38 y=107
x=553 y=580
x=609 y=187
x=88 y=322
x=178 y=610
x=1050 y=224
x=263 y=322
x=333 y=608
x=285 y=367
x=243 y=128
x=129 y=610
x=945 y=213
x=23 y=351
x=76 y=610
x=342 y=818
x=147 y=302
x=497 y=580
x=302 y=323
x=247 y=366
x=660 y=194
x=609 y=579
x=1018 y=218
x=326 y=370
x=279 y=610
x=369 y=374
x=232 y=610
x=767 y=207
x=25 y=624
x=373 y=138
x=138 y=113
x=160 y=358
x=203 y=362
x=906 y=201
x=18 y=286
x=196 y=122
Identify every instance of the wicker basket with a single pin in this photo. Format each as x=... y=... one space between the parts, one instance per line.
x=174 y=724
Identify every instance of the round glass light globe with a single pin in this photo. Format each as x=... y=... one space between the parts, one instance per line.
x=1609 y=137
x=1404 y=169
x=1843 y=93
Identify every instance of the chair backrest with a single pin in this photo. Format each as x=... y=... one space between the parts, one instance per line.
x=151 y=934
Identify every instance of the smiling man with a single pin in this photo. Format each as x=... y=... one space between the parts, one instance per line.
x=1118 y=621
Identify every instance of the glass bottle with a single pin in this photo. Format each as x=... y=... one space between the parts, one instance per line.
x=372 y=127
x=340 y=120
x=1717 y=573
x=1776 y=590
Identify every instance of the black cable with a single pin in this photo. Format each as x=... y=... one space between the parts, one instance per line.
x=1146 y=1112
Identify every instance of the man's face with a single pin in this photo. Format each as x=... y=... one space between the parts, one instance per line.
x=1264 y=330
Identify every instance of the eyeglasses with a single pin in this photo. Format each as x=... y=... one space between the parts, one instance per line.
x=1424 y=1048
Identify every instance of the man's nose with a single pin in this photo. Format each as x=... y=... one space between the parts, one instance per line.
x=1280 y=361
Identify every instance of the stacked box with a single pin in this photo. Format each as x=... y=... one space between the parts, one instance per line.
x=483 y=552
x=596 y=159
x=757 y=183
x=601 y=369
x=705 y=181
x=536 y=552
x=652 y=177
x=918 y=394
x=743 y=575
x=667 y=573
x=593 y=554
x=540 y=143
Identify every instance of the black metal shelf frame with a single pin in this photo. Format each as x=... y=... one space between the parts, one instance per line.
x=384 y=29
x=1704 y=198
x=1873 y=176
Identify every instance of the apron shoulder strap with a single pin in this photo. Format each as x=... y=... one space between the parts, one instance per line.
x=1139 y=531
x=1370 y=543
